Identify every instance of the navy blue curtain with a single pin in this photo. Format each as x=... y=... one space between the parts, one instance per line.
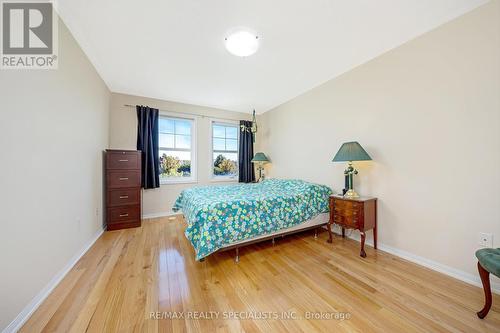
x=246 y=170
x=147 y=142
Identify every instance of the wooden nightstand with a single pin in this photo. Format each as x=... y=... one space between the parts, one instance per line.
x=359 y=213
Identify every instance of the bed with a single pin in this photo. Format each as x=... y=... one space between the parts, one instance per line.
x=230 y=216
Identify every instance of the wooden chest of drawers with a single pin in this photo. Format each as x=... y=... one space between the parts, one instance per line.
x=359 y=213
x=123 y=189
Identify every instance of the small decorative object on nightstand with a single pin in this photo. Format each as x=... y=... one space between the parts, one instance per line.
x=354 y=213
x=260 y=159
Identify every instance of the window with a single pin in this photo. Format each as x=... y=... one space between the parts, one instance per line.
x=224 y=150
x=177 y=162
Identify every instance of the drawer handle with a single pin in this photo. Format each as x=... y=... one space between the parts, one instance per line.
x=124 y=215
x=123 y=178
x=123 y=196
x=123 y=161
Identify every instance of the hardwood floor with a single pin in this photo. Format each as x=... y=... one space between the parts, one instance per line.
x=128 y=274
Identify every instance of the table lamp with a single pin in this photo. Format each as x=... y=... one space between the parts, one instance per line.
x=349 y=152
x=260 y=159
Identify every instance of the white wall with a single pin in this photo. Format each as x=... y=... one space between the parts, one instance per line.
x=53 y=128
x=123 y=135
x=428 y=113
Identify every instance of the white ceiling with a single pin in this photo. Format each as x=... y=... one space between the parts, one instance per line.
x=174 y=50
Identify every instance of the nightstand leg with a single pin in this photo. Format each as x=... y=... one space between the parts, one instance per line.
x=329 y=226
x=363 y=253
x=343 y=232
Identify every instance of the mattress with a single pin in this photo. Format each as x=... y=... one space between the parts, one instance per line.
x=219 y=216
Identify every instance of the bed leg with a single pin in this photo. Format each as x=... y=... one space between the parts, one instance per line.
x=316 y=233
x=237 y=258
x=273 y=241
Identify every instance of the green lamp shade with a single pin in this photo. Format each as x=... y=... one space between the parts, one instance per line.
x=351 y=151
x=260 y=157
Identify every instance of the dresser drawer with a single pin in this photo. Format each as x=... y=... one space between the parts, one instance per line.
x=124 y=214
x=123 y=225
x=122 y=179
x=347 y=205
x=346 y=221
x=347 y=212
x=123 y=197
x=123 y=160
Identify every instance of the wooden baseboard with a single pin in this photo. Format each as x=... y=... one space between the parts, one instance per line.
x=160 y=214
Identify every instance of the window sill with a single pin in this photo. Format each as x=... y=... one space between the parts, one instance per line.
x=220 y=180
x=178 y=182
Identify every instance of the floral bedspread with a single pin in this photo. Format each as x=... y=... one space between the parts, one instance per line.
x=218 y=216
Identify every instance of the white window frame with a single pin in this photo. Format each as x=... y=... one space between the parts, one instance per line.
x=194 y=155
x=214 y=178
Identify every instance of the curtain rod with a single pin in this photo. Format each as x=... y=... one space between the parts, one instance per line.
x=187 y=113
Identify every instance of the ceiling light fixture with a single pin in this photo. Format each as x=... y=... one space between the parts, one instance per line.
x=242 y=43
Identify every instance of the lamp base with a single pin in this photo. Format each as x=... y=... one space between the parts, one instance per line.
x=261 y=175
x=351 y=194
